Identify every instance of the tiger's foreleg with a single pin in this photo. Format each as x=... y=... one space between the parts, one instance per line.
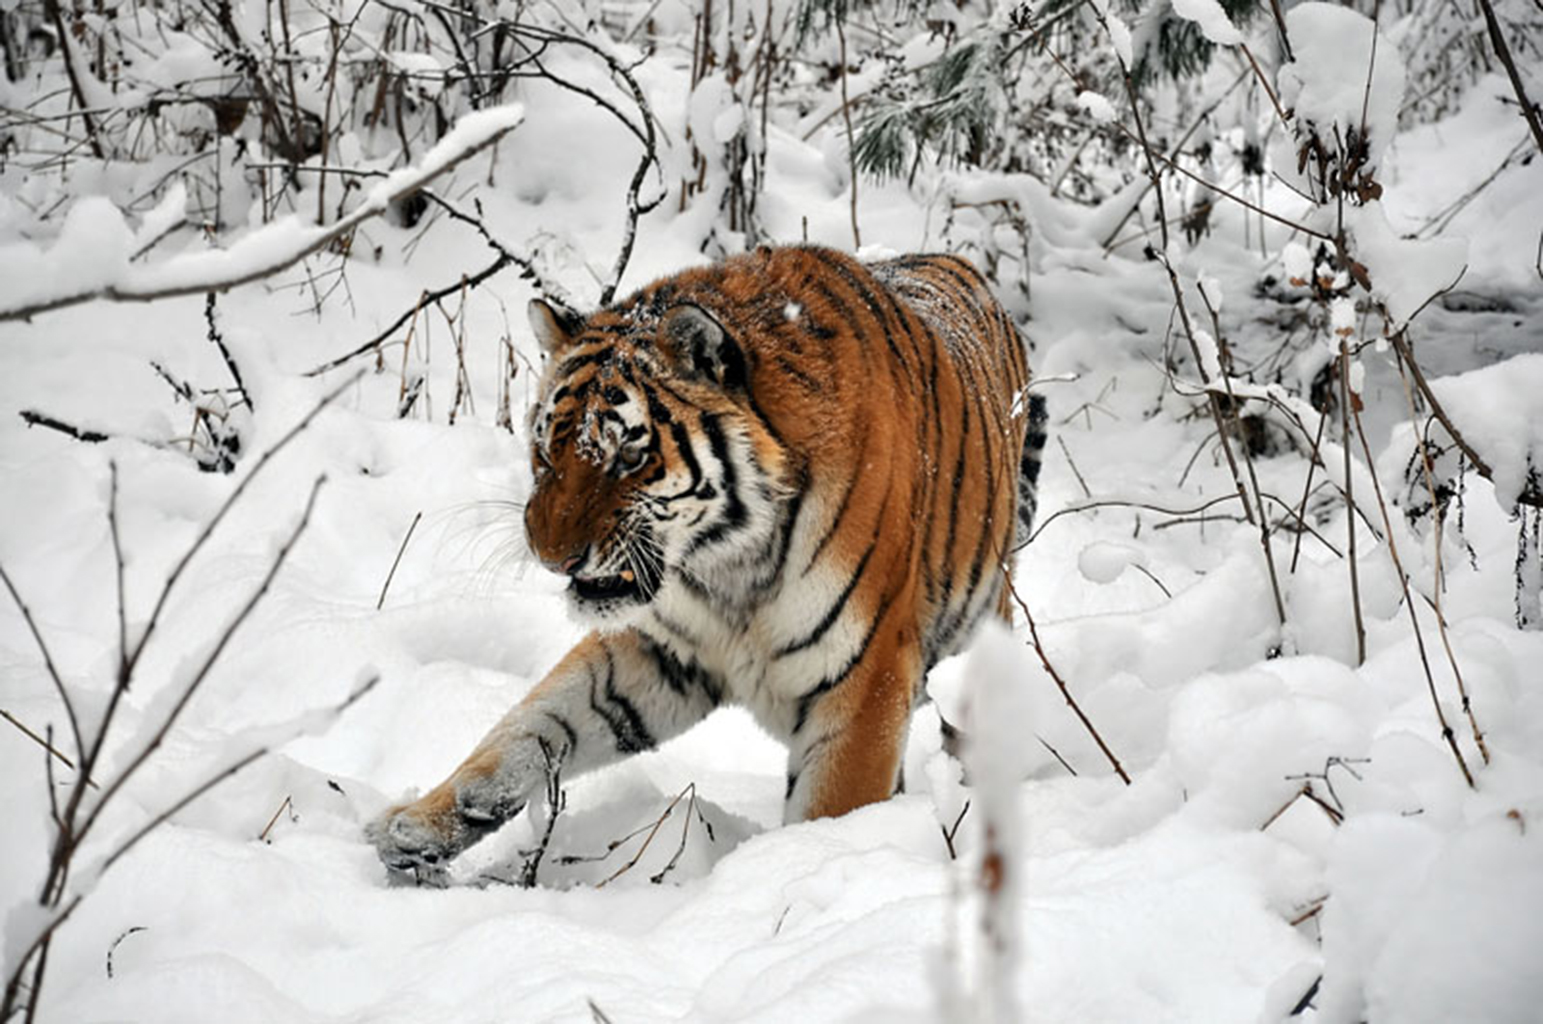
x=612 y=695
x=850 y=733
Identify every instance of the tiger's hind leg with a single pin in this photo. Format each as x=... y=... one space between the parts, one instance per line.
x=849 y=738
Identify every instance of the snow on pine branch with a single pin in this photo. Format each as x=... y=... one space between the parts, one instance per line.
x=1211 y=19
x=92 y=257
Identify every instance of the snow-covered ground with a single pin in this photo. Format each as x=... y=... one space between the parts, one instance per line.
x=1207 y=889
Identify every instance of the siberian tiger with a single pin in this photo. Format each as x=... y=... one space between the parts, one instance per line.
x=790 y=481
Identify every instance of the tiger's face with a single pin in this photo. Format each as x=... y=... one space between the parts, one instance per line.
x=646 y=467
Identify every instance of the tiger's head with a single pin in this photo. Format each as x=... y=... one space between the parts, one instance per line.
x=651 y=467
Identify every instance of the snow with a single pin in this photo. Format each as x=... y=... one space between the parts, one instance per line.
x=1207 y=889
x=91 y=256
x=1213 y=21
x=1342 y=77
x=1406 y=273
x=1104 y=561
x=1119 y=32
x=1097 y=106
x=1498 y=409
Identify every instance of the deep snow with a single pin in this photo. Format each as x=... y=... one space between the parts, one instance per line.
x=1188 y=896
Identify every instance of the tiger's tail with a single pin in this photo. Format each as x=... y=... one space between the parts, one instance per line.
x=1034 y=437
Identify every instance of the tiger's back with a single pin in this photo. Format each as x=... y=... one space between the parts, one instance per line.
x=788 y=480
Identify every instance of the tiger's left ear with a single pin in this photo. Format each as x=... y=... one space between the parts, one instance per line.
x=553 y=324
x=703 y=349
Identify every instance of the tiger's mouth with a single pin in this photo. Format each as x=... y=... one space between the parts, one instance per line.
x=626 y=587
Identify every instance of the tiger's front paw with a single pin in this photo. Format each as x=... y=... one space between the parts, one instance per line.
x=425 y=835
x=407 y=839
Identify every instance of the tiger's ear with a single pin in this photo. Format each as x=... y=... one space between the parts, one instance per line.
x=702 y=348
x=553 y=324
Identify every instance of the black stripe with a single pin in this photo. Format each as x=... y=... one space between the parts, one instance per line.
x=674 y=628
x=682 y=438
x=830 y=682
x=734 y=513
x=681 y=676
x=834 y=611
x=953 y=506
x=846 y=499
x=575 y=363
x=567 y=727
x=777 y=557
x=805 y=381
x=619 y=713
x=866 y=295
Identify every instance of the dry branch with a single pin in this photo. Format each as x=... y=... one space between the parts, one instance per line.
x=74 y=822
x=1060 y=683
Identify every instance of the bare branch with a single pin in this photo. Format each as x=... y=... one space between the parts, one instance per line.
x=37 y=419
x=48 y=663
x=197 y=680
x=1503 y=51
x=40 y=741
x=380 y=603
x=1044 y=659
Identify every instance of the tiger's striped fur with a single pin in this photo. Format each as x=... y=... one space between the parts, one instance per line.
x=791 y=481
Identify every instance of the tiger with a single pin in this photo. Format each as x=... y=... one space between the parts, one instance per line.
x=791 y=481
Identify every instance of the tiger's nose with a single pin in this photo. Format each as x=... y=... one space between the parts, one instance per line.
x=570 y=564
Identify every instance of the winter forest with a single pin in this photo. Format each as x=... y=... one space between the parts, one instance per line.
x=1264 y=741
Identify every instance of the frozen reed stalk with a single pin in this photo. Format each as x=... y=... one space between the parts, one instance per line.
x=998 y=720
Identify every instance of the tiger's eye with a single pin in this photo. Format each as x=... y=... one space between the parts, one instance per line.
x=630 y=459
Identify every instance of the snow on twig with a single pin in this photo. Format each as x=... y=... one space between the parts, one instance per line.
x=58 y=283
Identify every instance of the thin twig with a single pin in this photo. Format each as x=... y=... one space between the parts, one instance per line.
x=192 y=686
x=1529 y=495
x=1345 y=399
x=426 y=298
x=380 y=603
x=1066 y=692
x=218 y=337
x=1126 y=503
x=1414 y=619
x=1503 y=51
x=1438 y=514
x=40 y=741
x=846 y=113
x=263 y=835
x=37 y=419
x=1086 y=493
x=1224 y=364
x=48 y=664
x=950 y=832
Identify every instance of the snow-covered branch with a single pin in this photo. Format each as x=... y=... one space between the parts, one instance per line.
x=92 y=257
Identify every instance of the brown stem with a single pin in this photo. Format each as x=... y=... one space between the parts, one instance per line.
x=1529 y=495
x=48 y=663
x=66 y=49
x=846 y=114
x=1224 y=356
x=397 y=561
x=427 y=298
x=40 y=741
x=1403 y=579
x=1212 y=396
x=1438 y=516
x=1355 y=576
x=1066 y=692
x=1503 y=51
